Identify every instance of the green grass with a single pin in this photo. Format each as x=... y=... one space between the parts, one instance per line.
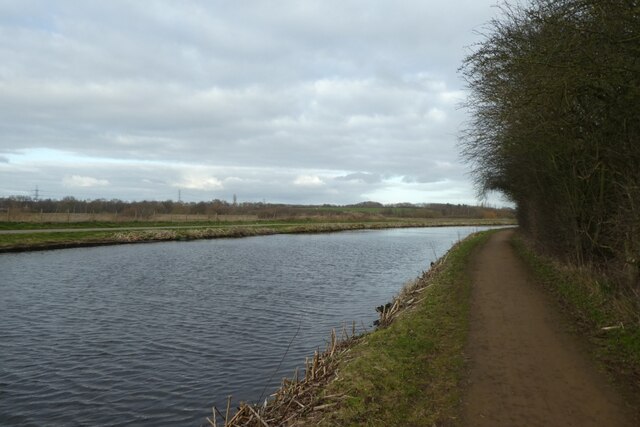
x=594 y=303
x=47 y=239
x=409 y=374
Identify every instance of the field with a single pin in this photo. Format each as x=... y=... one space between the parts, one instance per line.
x=69 y=217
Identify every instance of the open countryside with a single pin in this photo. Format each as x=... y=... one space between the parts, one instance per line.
x=320 y=213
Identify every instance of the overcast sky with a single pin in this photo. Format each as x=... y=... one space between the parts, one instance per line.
x=281 y=101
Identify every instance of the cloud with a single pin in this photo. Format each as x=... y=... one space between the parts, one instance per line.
x=308 y=181
x=360 y=177
x=245 y=98
x=4 y=159
x=435 y=115
x=200 y=183
x=84 y=181
x=195 y=177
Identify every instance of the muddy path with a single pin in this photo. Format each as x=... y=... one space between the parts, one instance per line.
x=526 y=369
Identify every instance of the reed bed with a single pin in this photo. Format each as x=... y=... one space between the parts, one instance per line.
x=194 y=234
x=298 y=396
x=302 y=400
x=410 y=295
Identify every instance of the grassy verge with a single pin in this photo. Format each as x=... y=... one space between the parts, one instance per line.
x=408 y=374
x=78 y=238
x=608 y=316
x=38 y=240
x=22 y=242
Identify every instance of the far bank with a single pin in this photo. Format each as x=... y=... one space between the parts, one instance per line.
x=19 y=237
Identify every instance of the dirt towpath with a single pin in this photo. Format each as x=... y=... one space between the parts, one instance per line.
x=525 y=368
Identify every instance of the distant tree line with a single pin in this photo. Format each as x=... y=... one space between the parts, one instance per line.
x=555 y=102
x=148 y=209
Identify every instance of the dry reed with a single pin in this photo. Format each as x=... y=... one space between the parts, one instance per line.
x=300 y=401
x=297 y=397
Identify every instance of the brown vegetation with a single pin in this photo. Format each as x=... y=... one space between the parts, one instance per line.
x=297 y=397
x=70 y=210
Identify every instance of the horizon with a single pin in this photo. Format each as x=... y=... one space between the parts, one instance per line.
x=239 y=202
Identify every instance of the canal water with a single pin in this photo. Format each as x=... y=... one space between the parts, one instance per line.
x=156 y=334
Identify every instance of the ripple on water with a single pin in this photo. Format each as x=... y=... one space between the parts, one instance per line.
x=156 y=334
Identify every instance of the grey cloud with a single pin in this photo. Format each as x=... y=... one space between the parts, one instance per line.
x=369 y=178
x=435 y=171
x=304 y=86
x=335 y=125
